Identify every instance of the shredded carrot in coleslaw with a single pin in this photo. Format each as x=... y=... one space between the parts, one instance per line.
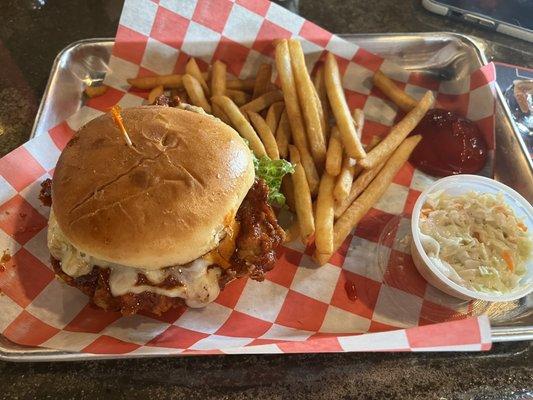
x=508 y=258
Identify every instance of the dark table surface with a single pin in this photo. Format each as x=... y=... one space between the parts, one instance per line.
x=32 y=32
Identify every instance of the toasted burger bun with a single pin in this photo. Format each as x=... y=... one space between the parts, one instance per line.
x=166 y=201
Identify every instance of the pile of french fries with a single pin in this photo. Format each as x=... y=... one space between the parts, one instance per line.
x=307 y=121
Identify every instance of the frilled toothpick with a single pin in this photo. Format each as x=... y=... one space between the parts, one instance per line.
x=115 y=113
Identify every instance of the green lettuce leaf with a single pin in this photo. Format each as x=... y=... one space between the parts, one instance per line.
x=272 y=172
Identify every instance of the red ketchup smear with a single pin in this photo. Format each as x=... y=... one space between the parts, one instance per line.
x=450 y=145
x=351 y=290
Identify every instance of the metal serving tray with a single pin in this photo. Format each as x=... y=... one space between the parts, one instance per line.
x=443 y=55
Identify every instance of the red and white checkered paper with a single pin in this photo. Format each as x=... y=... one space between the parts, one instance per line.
x=299 y=307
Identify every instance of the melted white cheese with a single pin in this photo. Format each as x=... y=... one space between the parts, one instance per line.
x=73 y=262
x=199 y=284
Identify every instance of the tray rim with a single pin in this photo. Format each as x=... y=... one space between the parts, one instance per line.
x=474 y=42
x=20 y=353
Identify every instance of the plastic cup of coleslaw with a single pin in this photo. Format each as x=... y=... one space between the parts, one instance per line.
x=433 y=273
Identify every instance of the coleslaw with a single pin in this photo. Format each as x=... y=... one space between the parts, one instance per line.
x=476 y=240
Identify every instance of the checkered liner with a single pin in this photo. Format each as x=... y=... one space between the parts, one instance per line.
x=299 y=307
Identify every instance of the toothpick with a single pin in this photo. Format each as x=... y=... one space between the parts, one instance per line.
x=115 y=113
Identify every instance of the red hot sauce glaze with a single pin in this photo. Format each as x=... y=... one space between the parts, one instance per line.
x=450 y=145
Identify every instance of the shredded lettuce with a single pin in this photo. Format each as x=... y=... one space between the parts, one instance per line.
x=272 y=172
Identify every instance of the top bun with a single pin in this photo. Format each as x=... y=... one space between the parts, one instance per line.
x=166 y=201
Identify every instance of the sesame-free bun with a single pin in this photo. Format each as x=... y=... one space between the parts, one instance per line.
x=164 y=202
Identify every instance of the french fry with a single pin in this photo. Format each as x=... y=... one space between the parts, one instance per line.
x=323 y=123
x=359 y=120
x=357 y=170
x=95 y=91
x=263 y=101
x=273 y=115
x=192 y=69
x=271 y=86
x=308 y=103
x=262 y=79
x=283 y=135
x=239 y=97
x=398 y=133
x=324 y=215
x=345 y=179
x=150 y=82
x=357 y=210
x=265 y=134
x=373 y=143
x=334 y=153
x=283 y=65
x=359 y=184
x=218 y=88
x=287 y=188
x=302 y=196
x=240 y=124
x=196 y=93
x=349 y=138
x=155 y=93
x=220 y=114
x=320 y=86
x=393 y=92
x=363 y=179
x=241 y=84
x=293 y=232
x=218 y=79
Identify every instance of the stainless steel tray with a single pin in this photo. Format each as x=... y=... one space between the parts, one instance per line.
x=442 y=55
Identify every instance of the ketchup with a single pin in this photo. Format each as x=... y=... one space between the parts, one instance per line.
x=450 y=145
x=351 y=290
